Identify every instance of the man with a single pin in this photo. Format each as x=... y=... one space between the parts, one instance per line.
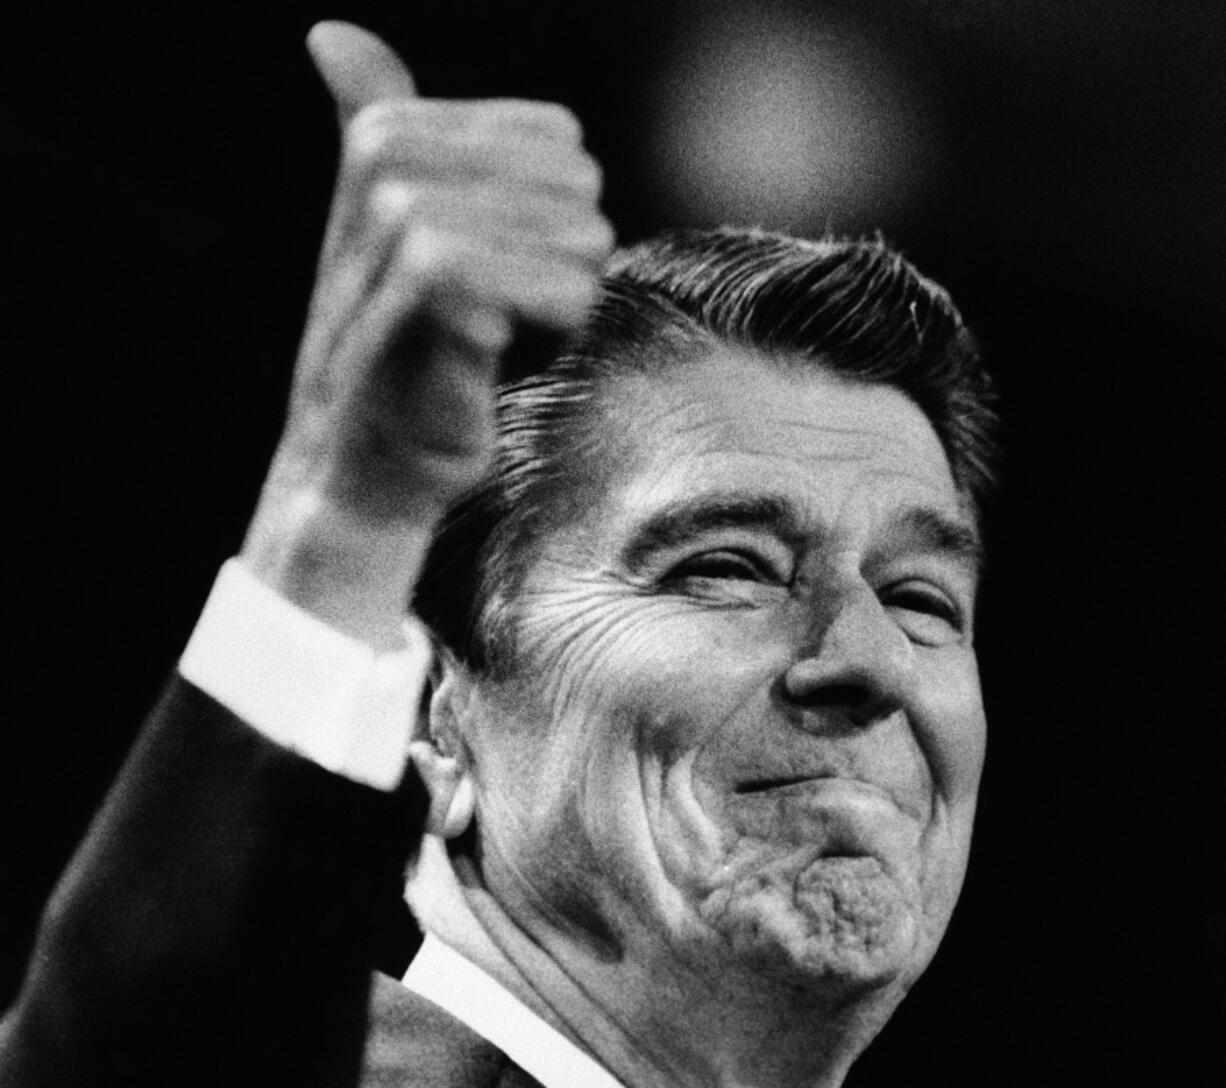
x=704 y=730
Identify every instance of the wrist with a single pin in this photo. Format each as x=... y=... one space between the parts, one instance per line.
x=351 y=571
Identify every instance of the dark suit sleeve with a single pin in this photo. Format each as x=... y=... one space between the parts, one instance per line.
x=219 y=922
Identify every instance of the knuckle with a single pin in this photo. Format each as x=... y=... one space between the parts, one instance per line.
x=389 y=201
x=528 y=117
x=384 y=114
x=562 y=118
x=587 y=236
x=604 y=237
x=589 y=176
x=364 y=143
x=377 y=130
x=435 y=253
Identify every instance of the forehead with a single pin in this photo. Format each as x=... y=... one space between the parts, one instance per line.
x=844 y=454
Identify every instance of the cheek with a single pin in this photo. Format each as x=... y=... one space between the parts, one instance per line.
x=652 y=665
x=631 y=695
x=953 y=732
x=951 y=727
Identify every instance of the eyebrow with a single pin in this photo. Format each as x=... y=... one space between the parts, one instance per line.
x=935 y=531
x=682 y=521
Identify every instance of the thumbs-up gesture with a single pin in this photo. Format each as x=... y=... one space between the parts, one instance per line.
x=452 y=224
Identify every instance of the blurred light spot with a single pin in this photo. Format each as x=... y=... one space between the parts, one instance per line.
x=761 y=118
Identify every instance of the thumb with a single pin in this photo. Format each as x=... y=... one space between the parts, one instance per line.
x=357 y=67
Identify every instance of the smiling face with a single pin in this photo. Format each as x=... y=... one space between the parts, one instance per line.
x=744 y=733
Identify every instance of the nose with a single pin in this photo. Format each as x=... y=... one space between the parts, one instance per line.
x=856 y=664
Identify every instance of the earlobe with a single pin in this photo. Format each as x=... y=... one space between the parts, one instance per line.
x=459 y=812
x=450 y=786
x=441 y=759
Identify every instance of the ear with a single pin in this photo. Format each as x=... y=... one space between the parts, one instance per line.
x=440 y=753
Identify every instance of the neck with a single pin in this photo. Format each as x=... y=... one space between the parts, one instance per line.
x=732 y=1028
x=653 y=1022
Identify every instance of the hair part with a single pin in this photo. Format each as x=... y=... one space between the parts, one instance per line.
x=856 y=308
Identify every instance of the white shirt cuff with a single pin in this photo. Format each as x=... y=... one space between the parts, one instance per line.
x=305 y=685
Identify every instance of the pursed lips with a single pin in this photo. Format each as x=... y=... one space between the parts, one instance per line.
x=820 y=789
x=786 y=819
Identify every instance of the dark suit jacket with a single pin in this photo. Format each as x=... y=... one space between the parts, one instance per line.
x=219 y=924
x=415 y=1044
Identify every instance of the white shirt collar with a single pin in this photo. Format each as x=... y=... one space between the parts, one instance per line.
x=443 y=976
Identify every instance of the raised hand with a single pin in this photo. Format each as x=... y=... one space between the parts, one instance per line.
x=453 y=224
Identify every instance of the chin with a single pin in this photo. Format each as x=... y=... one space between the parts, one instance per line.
x=839 y=923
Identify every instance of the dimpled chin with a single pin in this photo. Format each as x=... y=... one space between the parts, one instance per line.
x=822 y=919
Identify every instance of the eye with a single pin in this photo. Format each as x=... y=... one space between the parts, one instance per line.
x=722 y=564
x=925 y=612
x=725 y=576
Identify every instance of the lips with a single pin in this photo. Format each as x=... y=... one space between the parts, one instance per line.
x=765 y=784
x=848 y=815
x=823 y=780
x=821 y=789
x=831 y=815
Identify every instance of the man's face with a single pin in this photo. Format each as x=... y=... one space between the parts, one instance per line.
x=745 y=730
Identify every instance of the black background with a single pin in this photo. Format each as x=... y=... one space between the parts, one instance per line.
x=174 y=168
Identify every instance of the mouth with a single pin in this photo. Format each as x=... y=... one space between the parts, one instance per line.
x=823 y=789
x=764 y=785
x=842 y=818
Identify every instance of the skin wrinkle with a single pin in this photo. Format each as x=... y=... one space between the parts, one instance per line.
x=644 y=701
x=580 y=648
x=617 y=617
x=671 y=781
x=847 y=908
x=801 y=875
x=572 y=904
x=675 y=781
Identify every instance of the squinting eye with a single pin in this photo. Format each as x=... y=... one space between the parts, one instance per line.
x=927 y=615
x=721 y=565
x=725 y=578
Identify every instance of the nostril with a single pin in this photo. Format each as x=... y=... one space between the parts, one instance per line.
x=859 y=691
x=846 y=704
x=850 y=696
